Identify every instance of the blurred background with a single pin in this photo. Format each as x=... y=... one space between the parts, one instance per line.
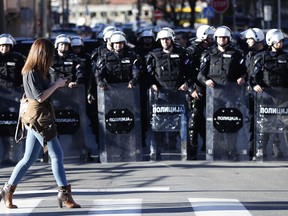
x=47 y=18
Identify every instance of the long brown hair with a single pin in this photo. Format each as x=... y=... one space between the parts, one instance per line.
x=40 y=57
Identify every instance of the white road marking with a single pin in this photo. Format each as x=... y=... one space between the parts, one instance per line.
x=25 y=207
x=136 y=189
x=114 y=207
x=218 y=207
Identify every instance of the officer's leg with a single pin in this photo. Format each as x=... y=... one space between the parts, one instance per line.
x=276 y=146
x=286 y=140
x=251 y=127
x=201 y=125
x=261 y=146
x=231 y=141
x=155 y=145
x=192 y=136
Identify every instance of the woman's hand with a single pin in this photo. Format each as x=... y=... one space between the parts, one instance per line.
x=72 y=84
x=61 y=82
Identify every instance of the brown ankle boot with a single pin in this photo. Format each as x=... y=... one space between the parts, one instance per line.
x=7 y=194
x=64 y=195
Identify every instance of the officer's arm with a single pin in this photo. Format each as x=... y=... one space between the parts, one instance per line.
x=80 y=74
x=203 y=69
x=136 y=71
x=101 y=73
x=151 y=62
x=257 y=72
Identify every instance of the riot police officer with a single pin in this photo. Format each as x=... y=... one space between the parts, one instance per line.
x=122 y=65
x=182 y=38
x=196 y=98
x=66 y=63
x=270 y=70
x=145 y=44
x=97 y=53
x=77 y=46
x=168 y=68
x=221 y=65
x=255 y=40
x=233 y=64
x=11 y=62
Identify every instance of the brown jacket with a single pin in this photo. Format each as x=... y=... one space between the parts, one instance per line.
x=41 y=118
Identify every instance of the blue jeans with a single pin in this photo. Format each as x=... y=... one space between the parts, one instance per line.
x=32 y=150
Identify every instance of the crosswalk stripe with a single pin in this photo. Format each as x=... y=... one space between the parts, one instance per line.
x=113 y=207
x=136 y=189
x=25 y=207
x=218 y=207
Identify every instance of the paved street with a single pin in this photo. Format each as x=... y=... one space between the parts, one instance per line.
x=197 y=188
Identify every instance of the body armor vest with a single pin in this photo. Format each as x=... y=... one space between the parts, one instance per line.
x=275 y=71
x=168 y=66
x=119 y=68
x=65 y=66
x=250 y=57
x=11 y=65
x=224 y=67
x=195 y=52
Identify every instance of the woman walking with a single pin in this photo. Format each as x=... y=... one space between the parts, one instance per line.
x=39 y=120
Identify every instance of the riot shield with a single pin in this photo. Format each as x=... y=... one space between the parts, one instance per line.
x=168 y=124
x=119 y=123
x=10 y=151
x=227 y=124
x=271 y=120
x=75 y=134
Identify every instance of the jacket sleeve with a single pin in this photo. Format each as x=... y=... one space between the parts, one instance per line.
x=137 y=69
x=150 y=63
x=257 y=72
x=101 y=72
x=204 y=68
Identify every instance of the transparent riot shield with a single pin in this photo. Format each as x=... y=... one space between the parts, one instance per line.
x=271 y=120
x=227 y=123
x=168 y=123
x=75 y=134
x=10 y=151
x=119 y=124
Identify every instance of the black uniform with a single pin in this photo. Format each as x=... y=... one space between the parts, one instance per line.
x=223 y=68
x=69 y=66
x=250 y=63
x=167 y=71
x=119 y=68
x=96 y=58
x=197 y=122
x=11 y=64
x=144 y=84
x=271 y=70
